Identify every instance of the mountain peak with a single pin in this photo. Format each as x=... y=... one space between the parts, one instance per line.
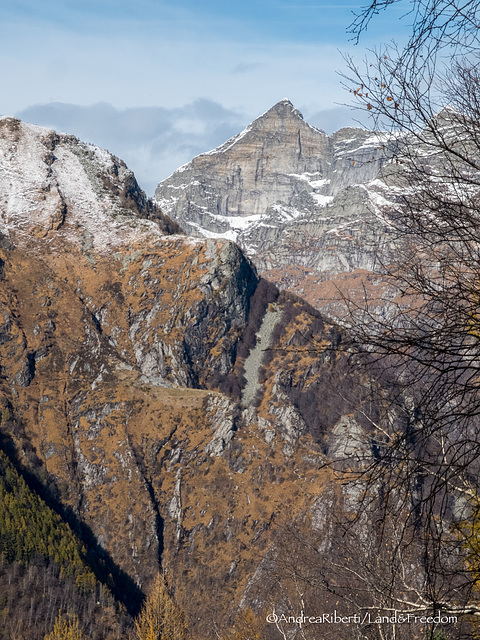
x=284 y=109
x=67 y=185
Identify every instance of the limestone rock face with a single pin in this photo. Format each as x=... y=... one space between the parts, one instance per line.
x=301 y=204
x=248 y=172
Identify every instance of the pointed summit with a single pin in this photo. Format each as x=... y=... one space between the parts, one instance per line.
x=283 y=110
x=283 y=117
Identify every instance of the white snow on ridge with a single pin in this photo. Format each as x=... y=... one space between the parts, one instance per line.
x=226 y=235
x=34 y=188
x=228 y=144
x=184 y=185
x=343 y=227
x=321 y=200
x=103 y=157
x=287 y=212
x=238 y=222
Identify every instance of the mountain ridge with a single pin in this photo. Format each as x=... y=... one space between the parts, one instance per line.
x=130 y=392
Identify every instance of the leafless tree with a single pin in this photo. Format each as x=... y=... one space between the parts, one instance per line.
x=428 y=94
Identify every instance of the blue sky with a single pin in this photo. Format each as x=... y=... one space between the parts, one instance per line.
x=159 y=82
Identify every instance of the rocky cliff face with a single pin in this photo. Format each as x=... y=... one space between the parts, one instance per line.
x=162 y=393
x=301 y=204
